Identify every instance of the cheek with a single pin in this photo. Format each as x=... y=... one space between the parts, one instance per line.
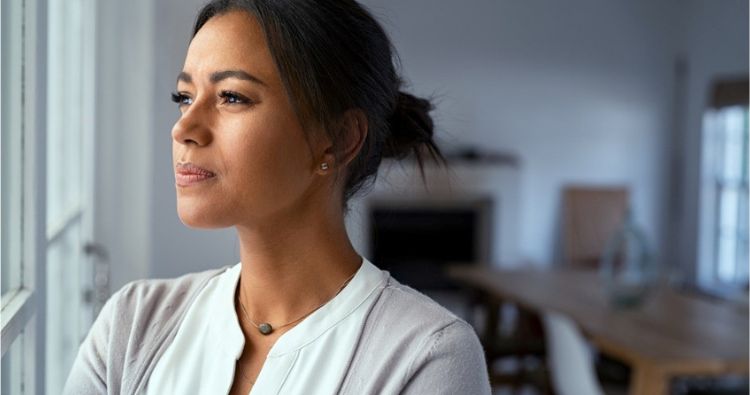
x=271 y=160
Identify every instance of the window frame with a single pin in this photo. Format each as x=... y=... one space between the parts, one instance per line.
x=24 y=307
x=22 y=312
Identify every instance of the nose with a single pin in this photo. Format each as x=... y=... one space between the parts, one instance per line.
x=193 y=127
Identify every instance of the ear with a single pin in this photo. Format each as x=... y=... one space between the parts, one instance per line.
x=355 y=129
x=353 y=132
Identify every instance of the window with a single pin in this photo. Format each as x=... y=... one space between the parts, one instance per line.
x=724 y=195
x=47 y=169
x=70 y=109
x=22 y=170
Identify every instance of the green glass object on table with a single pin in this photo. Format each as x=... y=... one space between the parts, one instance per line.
x=628 y=268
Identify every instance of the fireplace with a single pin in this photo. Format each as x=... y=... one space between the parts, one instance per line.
x=415 y=239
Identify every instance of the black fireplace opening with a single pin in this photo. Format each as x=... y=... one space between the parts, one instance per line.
x=415 y=243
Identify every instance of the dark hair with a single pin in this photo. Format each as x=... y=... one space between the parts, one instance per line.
x=334 y=56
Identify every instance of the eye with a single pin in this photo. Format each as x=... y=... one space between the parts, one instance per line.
x=229 y=97
x=181 y=99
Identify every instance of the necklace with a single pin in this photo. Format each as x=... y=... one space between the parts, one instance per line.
x=266 y=328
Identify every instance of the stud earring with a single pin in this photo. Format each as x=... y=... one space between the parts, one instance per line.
x=324 y=166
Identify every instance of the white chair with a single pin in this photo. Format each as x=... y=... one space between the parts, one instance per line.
x=569 y=359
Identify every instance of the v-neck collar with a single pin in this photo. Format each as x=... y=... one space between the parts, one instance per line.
x=230 y=338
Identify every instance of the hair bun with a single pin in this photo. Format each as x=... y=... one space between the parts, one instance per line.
x=410 y=126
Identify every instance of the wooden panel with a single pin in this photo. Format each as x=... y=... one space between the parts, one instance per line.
x=591 y=216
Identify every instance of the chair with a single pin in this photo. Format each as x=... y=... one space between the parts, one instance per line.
x=591 y=215
x=569 y=361
x=524 y=345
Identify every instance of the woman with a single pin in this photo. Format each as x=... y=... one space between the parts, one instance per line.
x=287 y=108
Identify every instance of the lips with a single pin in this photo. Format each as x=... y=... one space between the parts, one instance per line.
x=187 y=174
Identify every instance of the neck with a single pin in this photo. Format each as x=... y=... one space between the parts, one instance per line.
x=293 y=265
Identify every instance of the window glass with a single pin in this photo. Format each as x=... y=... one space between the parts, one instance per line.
x=67 y=317
x=725 y=198
x=732 y=240
x=12 y=365
x=64 y=126
x=69 y=309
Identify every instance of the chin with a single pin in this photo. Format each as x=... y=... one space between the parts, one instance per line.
x=199 y=218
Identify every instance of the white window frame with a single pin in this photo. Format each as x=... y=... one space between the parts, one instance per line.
x=23 y=308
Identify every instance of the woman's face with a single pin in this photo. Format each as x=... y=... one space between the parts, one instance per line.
x=239 y=152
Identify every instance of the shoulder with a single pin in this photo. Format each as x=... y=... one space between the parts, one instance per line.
x=410 y=308
x=150 y=296
x=417 y=318
x=127 y=333
x=148 y=311
x=410 y=342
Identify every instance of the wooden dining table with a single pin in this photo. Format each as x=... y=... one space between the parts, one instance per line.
x=671 y=334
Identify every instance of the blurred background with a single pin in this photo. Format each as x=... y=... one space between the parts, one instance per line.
x=592 y=224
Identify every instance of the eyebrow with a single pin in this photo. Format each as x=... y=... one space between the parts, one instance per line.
x=218 y=76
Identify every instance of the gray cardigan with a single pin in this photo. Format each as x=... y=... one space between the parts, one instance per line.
x=408 y=345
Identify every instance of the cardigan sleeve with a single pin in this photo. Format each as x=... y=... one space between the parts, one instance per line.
x=91 y=368
x=132 y=330
x=451 y=362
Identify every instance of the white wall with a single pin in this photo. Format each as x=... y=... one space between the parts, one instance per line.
x=580 y=90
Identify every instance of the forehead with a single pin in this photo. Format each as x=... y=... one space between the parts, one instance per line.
x=231 y=41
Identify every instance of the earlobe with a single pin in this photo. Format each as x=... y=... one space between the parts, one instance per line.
x=354 y=132
x=325 y=165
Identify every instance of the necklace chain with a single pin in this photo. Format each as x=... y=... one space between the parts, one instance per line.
x=266 y=328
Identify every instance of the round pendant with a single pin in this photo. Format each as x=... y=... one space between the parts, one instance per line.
x=265 y=328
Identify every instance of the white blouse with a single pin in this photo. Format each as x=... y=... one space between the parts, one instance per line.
x=310 y=358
